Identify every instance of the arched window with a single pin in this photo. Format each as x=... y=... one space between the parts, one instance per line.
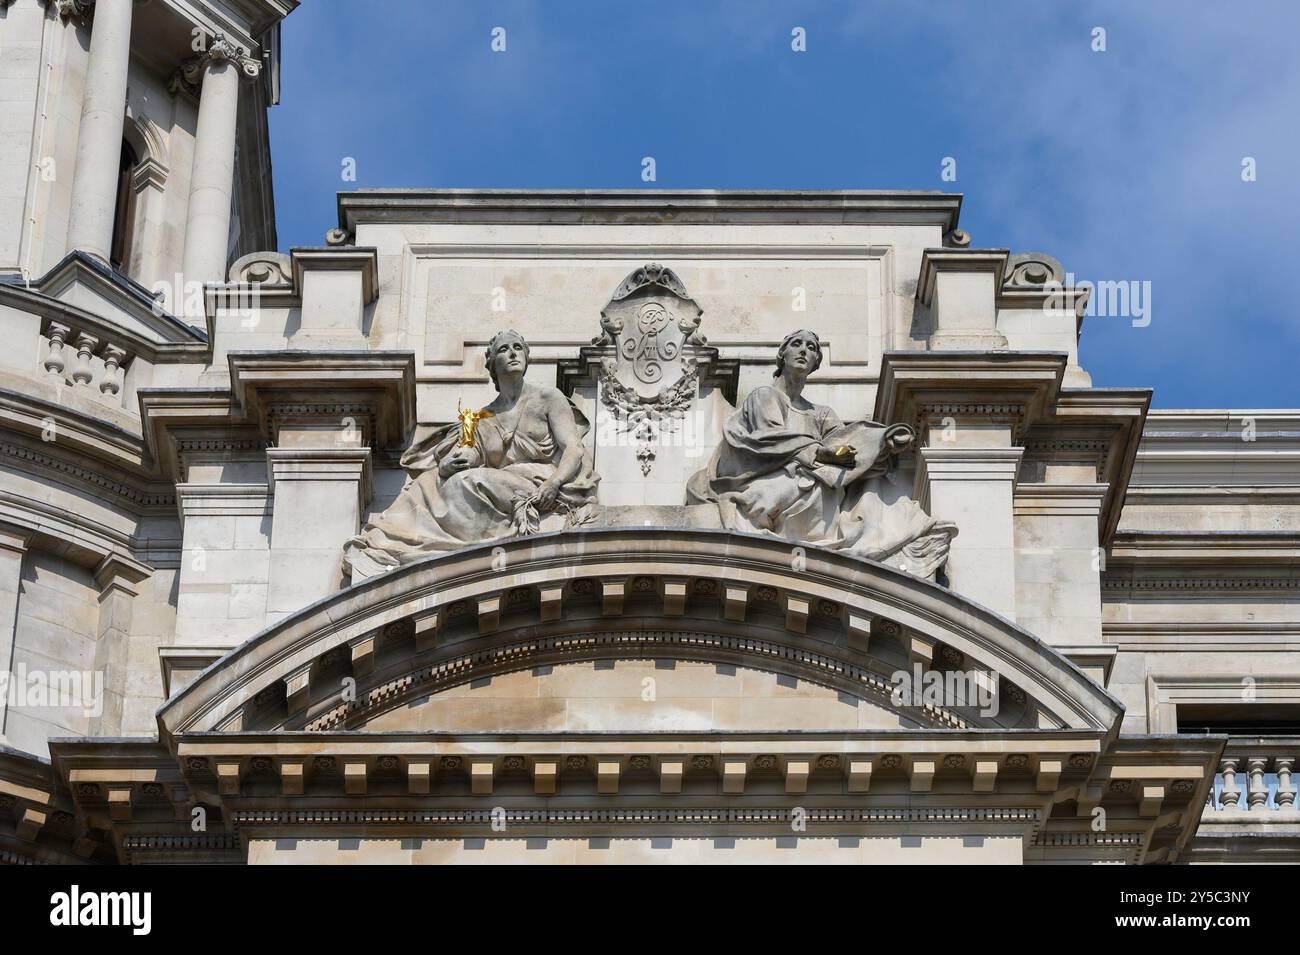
x=124 y=213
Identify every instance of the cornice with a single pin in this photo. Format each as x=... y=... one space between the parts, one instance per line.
x=747 y=784
x=133 y=494
x=1215 y=583
x=1214 y=495
x=1104 y=424
x=166 y=412
x=328 y=382
x=245 y=21
x=1217 y=449
x=934 y=261
x=1223 y=548
x=351 y=258
x=1019 y=387
x=29 y=415
x=648 y=207
x=86 y=542
x=1183 y=636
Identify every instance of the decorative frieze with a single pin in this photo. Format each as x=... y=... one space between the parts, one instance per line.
x=136 y=495
x=1116 y=583
x=539 y=651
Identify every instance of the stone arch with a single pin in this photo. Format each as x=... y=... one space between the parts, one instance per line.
x=620 y=594
x=148 y=142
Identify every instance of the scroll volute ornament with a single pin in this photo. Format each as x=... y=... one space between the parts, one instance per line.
x=220 y=49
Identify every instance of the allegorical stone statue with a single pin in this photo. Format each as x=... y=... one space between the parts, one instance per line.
x=789 y=467
x=494 y=473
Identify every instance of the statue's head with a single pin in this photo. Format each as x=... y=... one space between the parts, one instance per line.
x=804 y=341
x=507 y=351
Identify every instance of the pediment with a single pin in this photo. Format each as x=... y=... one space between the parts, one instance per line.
x=88 y=286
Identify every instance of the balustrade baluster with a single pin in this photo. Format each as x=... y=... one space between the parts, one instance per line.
x=1230 y=794
x=113 y=359
x=83 y=373
x=54 y=360
x=1285 y=791
x=1257 y=794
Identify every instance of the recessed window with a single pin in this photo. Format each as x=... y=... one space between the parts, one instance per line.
x=124 y=212
x=1240 y=719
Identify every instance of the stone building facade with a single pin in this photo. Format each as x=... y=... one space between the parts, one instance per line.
x=485 y=531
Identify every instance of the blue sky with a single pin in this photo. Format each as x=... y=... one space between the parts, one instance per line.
x=1124 y=164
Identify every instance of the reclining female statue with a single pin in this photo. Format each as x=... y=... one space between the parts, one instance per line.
x=493 y=474
x=789 y=467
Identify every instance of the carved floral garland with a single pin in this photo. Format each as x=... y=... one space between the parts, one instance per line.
x=646 y=418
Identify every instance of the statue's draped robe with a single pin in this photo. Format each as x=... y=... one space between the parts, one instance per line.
x=765 y=479
x=517 y=452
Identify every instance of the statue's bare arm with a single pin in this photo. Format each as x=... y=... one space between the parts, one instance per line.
x=564 y=429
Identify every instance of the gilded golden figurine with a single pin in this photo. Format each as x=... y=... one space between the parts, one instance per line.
x=494 y=473
x=469 y=419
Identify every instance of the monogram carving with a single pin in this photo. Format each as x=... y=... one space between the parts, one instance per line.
x=649 y=351
x=648 y=320
x=649 y=384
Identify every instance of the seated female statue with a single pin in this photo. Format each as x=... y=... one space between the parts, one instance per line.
x=494 y=474
x=789 y=467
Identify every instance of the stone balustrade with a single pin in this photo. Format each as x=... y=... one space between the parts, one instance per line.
x=84 y=361
x=1256 y=780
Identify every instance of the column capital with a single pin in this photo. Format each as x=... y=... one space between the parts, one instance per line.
x=118 y=574
x=70 y=9
x=220 y=49
x=15 y=538
x=968 y=464
x=321 y=464
x=221 y=500
x=1060 y=500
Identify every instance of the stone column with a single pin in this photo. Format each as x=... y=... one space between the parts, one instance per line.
x=319 y=497
x=970 y=479
x=20 y=167
x=99 y=137
x=117 y=580
x=207 y=224
x=13 y=548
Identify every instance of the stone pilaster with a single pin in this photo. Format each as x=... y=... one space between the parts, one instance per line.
x=1059 y=562
x=320 y=495
x=972 y=410
x=974 y=487
x=118 y=580
x=221 y=599
x=13 y=548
